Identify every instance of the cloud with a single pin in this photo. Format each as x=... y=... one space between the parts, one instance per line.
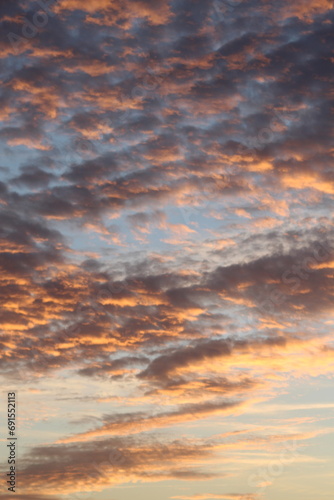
x=166 y=230
x=28 y=496
x=227 y=496
x=99 y=465
x=134 y=423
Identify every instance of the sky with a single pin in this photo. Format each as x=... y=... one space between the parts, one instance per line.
x=167 y=249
